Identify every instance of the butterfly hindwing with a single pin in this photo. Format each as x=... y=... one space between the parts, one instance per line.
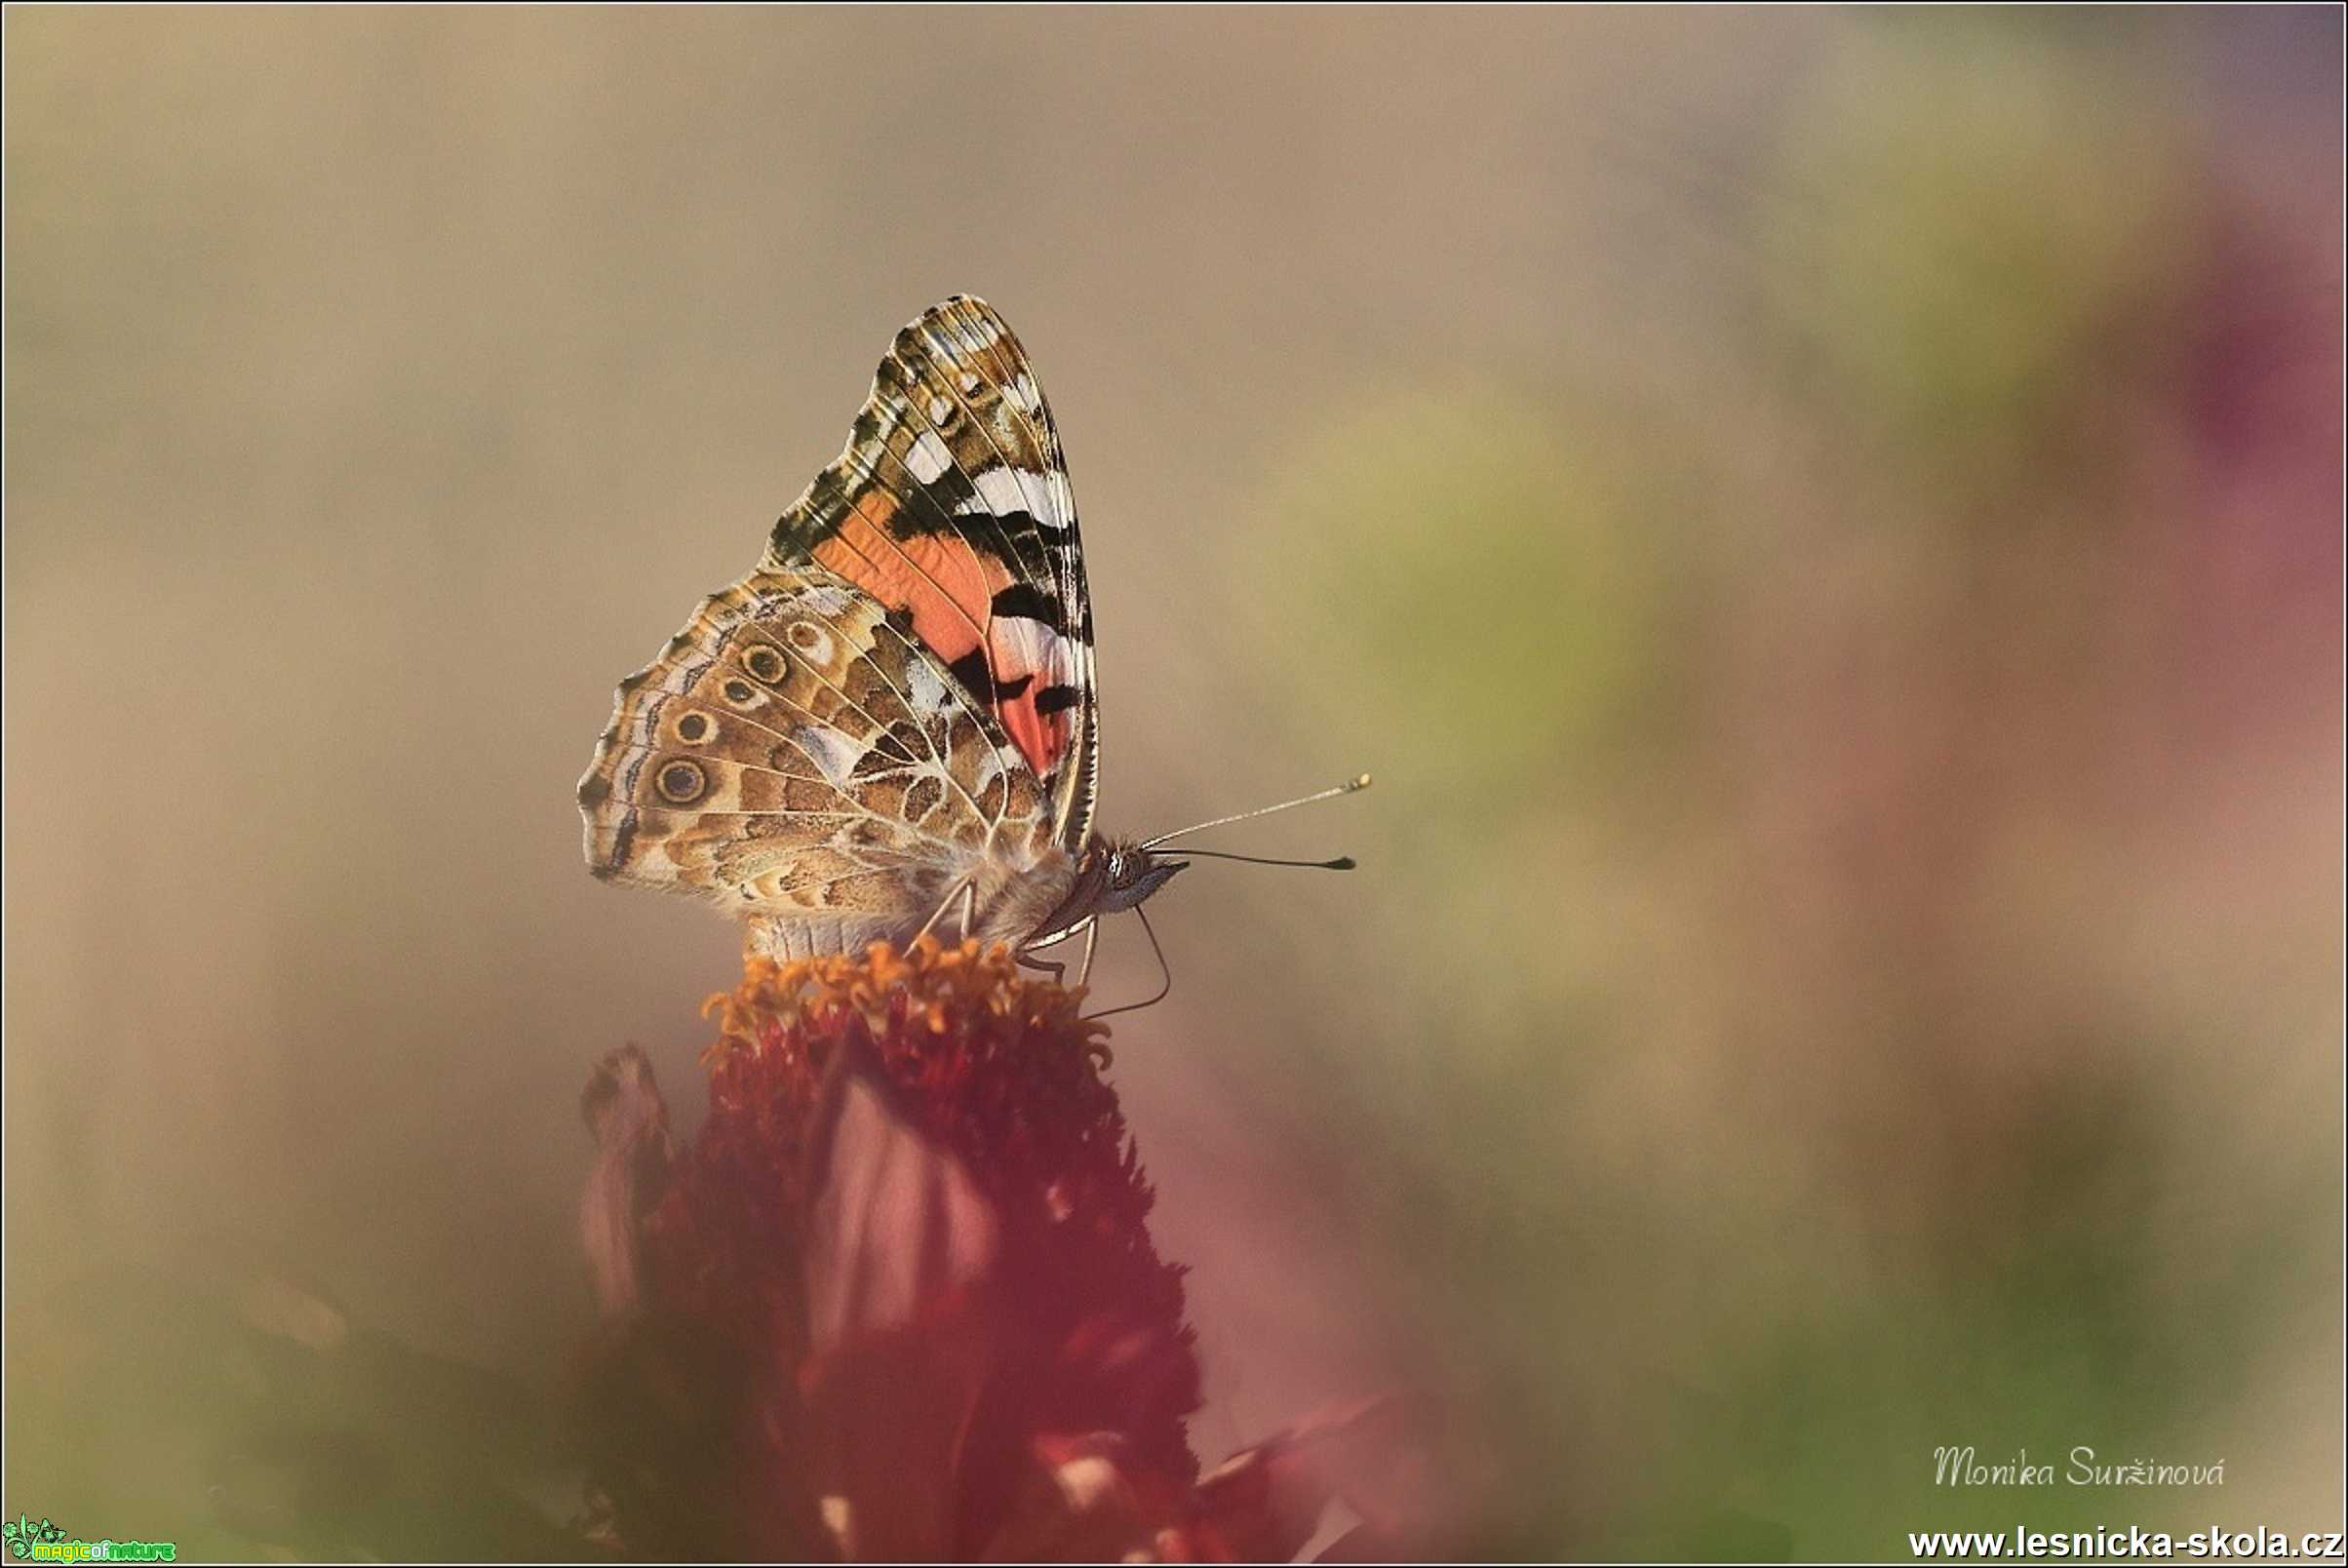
x=796 y=755
x=951 y=508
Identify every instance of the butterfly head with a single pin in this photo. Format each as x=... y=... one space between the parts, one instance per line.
x=1129 y=873
x=1114 y=875
x=1119 y=874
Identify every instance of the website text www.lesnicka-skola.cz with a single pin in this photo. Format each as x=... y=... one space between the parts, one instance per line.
x=2213 y=1545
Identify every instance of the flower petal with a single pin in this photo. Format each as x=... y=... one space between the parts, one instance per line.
x=623 y=1109
x=902 y=1329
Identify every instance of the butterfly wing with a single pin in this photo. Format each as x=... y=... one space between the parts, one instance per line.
x=796 y=756
x=951 y=507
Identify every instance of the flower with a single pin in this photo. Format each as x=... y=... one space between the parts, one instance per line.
x=898 y=1296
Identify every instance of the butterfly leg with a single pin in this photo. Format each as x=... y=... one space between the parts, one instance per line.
x=970 y=908
x=1165 y=974
x=945 y=904
x=1059 y=972
x=1092 y=934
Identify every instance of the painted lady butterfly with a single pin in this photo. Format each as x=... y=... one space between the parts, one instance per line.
x=889 y=726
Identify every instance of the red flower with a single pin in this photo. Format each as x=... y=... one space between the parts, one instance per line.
x=899 y=1298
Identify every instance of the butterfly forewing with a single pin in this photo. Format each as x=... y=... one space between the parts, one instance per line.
x=951 y=506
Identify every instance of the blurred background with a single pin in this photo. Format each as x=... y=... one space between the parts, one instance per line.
x=1825 y=526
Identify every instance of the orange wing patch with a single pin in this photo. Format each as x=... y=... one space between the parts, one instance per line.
x=1041 y=737
x=947 y=586
x=949 y=589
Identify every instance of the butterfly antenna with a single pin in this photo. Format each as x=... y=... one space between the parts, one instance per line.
x=1341 y=863
x=1165 y=974
x=1362 y=782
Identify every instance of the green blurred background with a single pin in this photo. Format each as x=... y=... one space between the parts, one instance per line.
x=1824 y=524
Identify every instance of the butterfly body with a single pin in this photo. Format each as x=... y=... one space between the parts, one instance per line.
x=889 y=725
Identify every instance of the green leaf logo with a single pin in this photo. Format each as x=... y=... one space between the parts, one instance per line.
x=21 y=1533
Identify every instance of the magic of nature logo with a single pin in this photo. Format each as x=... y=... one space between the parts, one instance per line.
x=45 y=1541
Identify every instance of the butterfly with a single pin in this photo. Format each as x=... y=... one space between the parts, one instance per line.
x=890 y=726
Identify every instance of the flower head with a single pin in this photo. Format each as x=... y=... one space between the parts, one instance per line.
x=898 y=1296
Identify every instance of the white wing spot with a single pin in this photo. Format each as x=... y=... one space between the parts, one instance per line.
x=929 y=457
x=832 y=753
x=923 y=690
x=1003 y=490
x=826 y=600
x=811 y=641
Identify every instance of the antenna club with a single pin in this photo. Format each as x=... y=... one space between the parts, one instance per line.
x=1360 y=781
